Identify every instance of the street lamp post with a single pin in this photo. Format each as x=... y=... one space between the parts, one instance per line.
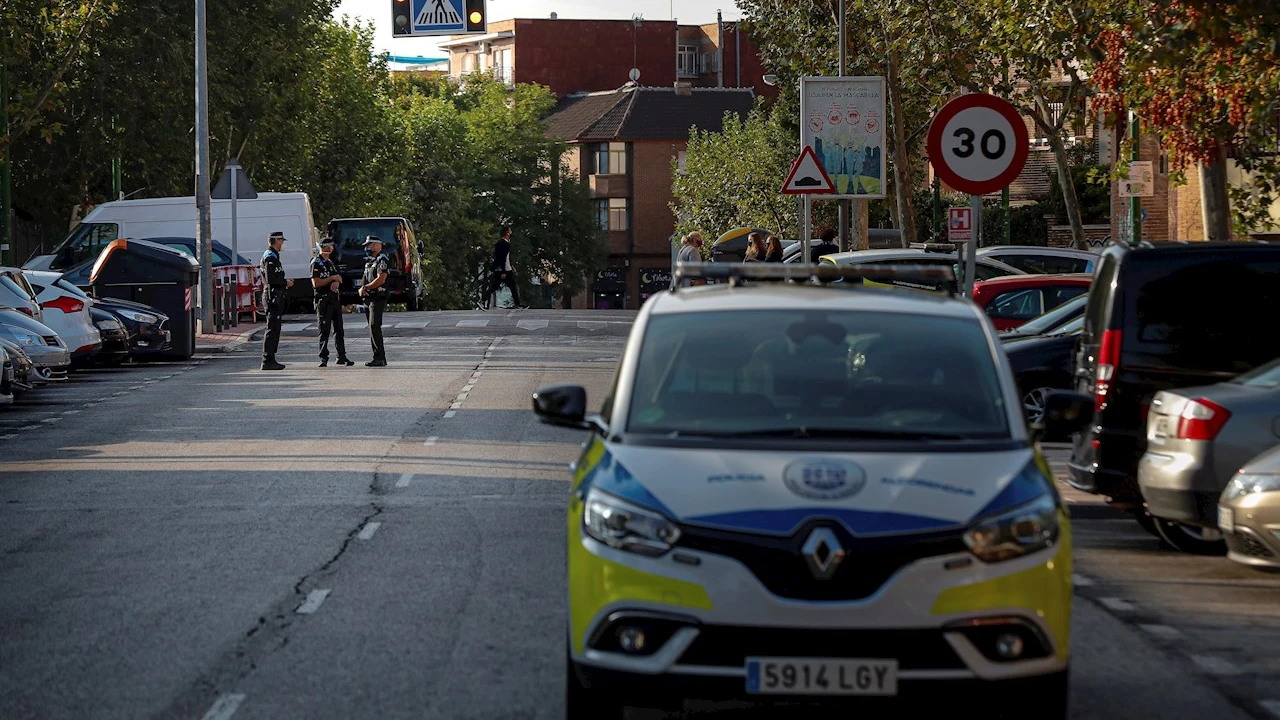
x=204 y=248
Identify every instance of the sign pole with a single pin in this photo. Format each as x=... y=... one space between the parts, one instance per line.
x=1135 y=202
x=804 y=237
x=203 y=222
x=971 y=253
x=235 y=247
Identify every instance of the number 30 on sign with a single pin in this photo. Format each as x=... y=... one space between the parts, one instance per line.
x=978 y=144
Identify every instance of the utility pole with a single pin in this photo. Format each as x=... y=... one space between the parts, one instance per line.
x=204 y=229
x=117 y=189
x=846 y=242
x=1004 y=193
x=6 y=249
x=1135 y=202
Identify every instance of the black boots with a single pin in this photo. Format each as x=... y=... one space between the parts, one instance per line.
x=271 y=364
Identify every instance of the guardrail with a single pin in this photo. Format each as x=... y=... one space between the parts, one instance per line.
x=235 y=291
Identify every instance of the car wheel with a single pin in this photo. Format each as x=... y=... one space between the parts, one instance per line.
x=584 y=703
x=1033 y=403
x=1191 y=539
x=1147 y=522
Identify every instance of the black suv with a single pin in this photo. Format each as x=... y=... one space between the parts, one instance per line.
x=402 y=249
x=1164 y=316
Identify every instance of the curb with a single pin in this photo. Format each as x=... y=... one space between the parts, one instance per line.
x=243 y=339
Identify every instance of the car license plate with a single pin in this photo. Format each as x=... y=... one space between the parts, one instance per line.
x=821 y=676
x=1226 y=519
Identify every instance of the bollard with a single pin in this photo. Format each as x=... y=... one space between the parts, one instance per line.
x=217 y=305
x=235 y=298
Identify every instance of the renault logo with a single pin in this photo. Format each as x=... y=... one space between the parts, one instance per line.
x=823 y=553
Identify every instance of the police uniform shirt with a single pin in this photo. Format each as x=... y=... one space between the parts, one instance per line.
x=373 y=267
x=320 y=270
x=273 y=270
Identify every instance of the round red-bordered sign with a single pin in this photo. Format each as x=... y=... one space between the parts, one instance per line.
x=978 y=144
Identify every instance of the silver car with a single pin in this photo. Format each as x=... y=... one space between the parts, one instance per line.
x=1042 y=260
x=1249 y=512
x=1197 y=438
x=46 y=350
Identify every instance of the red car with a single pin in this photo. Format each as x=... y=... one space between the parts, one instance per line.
x=1014 y=299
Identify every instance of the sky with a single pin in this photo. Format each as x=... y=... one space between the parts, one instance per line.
x=689 y=12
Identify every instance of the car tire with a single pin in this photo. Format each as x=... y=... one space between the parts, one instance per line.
x=1033 y=402
x=1147 y=522
x=1191 y=539
x=584 y=703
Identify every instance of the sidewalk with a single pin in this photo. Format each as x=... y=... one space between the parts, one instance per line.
x=229 y=339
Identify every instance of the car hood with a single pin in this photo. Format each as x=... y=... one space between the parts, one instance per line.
x=13 y=318
x=1037 y=342
x=771 y=492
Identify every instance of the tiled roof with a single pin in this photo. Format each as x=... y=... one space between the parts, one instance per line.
x=645 y=113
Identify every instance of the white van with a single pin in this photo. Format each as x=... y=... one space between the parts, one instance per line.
x=289 y=213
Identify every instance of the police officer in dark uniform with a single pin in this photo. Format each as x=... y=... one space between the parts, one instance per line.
x=276 y=285
x=373 y=288
x=325 y=280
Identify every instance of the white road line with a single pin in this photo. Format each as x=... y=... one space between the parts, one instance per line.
x=416 y=325
x=592 y=324
x=1081 y=580
x=450 y=414
x=10 y=436
x=70 y=412
x=224 y=707
x=50 y=421
x=472 y=323
x=1116 y=604
x=456 y=406
x=468 y=388
x=404 y=480
x=432 y=440
x=463 y=395
x=1215 y=665
x=136 y=387
x=118 y=394
x=91 y=404
x=1271 y=706
x=27 y=428
x=294 y=327
x=1164 y=632
x=314 y=600
x=477 y=373
x=368 y=530
x=531 y=324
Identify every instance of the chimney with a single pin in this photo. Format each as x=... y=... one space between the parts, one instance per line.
x=684 y=87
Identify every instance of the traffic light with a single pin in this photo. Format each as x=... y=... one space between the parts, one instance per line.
x=401 y=23
x=476 y=20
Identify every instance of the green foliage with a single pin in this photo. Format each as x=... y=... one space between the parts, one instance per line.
x=1092 y=190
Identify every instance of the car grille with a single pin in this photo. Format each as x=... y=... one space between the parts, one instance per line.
x=1244 y=543
x=780 y=566
x=720 y=645
x=51 y=340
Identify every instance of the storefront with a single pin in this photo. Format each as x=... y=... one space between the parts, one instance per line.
x=609 y=291
x=653 y=280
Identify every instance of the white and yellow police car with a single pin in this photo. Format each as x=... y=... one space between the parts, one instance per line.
x=798 y=493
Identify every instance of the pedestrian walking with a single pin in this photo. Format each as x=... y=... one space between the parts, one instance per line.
x=690 y=248
x=326 y=281
x=826 y=247
x=373 y=289
x=755 y=249
x=276 y=286
x=772 y=249
x=502 y=272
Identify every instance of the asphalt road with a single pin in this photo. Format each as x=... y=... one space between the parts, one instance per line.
x=204 y=540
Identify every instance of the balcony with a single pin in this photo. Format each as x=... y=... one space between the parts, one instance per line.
x=608 y=186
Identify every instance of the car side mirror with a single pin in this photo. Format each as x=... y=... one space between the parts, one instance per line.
x=1065 y=413
x=566 y=406
x=422 y=247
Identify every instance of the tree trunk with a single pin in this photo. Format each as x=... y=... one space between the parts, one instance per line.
x=1214 y=205
x=1069 y=197
x=901 y=154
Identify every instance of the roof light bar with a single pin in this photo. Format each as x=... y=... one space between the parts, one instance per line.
x=803 y=272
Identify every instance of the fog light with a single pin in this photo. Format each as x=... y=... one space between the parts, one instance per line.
x=1009 y=646
x=631 y=639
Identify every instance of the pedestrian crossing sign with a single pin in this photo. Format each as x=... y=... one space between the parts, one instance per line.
x=438 y=17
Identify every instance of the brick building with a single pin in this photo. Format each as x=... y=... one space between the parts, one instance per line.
x=603 y=52
x=623 y=144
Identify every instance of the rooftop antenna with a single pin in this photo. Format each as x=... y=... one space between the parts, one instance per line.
x=636 y=20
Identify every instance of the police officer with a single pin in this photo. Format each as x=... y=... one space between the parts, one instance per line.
x=373 y=288
x=325 y=280
x=276 y=285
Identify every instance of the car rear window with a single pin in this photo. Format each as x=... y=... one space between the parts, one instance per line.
x=762 y=371
x=348 y=237
x=1204 y=314
x=1098 y=308
x=1046 y=264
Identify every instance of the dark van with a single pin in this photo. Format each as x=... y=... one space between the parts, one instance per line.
x=1163 y=316
x=399 y=244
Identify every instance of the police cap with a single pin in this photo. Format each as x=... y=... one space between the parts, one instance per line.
x=370 y=239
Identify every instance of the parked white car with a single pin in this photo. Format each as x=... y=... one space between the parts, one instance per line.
x=17 y=293
x=66 y=310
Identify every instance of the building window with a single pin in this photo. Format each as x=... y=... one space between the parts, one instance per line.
x=612 y=214
x=609 y=159
x=502 y=66
x=687 y=61
x=709 y=62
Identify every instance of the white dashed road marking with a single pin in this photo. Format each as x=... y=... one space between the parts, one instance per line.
x=418 y=325
x=592 y=324
x=10 y=436
x=450 y=414
x=224 y=707
x=50 y=421
x=404 y=480
x=531 y=324
x=1165 y=632
x=368 y=530
x=1081 y=580
x=1215 y=665
x=70 y=412
x=1117 y=604
x=472 y=323
x=314 y=600
x=432 y=440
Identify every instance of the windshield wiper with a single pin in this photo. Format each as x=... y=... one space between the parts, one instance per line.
x=824 y=432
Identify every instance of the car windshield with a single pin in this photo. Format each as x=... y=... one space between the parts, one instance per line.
x=1055 y=317
x=800 y=373
x=1263 y=376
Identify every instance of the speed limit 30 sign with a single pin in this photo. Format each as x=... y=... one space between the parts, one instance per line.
x=978 y=144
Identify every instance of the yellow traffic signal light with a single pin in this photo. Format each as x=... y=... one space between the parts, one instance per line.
x=476 y=16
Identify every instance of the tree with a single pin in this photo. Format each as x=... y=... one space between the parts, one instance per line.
x=1204 y=76
x=732 y=178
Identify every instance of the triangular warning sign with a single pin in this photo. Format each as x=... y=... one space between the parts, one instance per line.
x=807 y=176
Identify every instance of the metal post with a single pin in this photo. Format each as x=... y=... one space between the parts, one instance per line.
x=6 y=249
x=719 y=50
x=234 y=167
x=217 y=305
x=937 y=234
x=804 y=236
x=117 y=189
x=1004 y=193
x=1135 y=202
x=970 y=257
x=235 y=297
x=846 y=206
x=203 y=222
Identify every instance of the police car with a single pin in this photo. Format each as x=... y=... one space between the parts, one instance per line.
x=798 y=493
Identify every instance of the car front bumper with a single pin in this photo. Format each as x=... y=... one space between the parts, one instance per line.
x=937 y=617
x=1252 y=529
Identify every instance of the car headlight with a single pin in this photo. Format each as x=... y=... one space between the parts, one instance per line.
x=28 y=338
x=621 y=525
x=1026 y=529
x=1246 y=484
x=140 y=317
